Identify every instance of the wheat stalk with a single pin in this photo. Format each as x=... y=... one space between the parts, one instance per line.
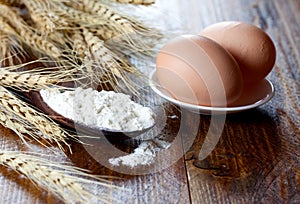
x=23 y=119
x=37 y=42
x=66 y=182
x=104 y=32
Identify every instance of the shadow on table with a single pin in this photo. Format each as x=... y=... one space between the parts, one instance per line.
x=248 y=149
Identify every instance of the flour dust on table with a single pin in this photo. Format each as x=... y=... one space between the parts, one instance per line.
x=144 y=154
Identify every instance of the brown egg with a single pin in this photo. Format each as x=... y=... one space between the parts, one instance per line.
x=251 y=47
x=197 y=70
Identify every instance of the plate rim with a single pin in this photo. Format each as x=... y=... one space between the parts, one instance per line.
x=200 y=108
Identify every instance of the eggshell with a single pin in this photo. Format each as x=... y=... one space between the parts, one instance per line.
x=251 y=47
x=197 y=70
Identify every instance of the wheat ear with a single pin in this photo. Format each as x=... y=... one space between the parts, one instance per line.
x=122 y=43
x=35 y=79
x=120 y=22
x=75 y=18
x=128 y=33
x=107 y=58
x=41 y=15
x=24 y=129
x=64 y=181
x=32 y=80
x=106 y=62
x=23 y=119
x=26 y=34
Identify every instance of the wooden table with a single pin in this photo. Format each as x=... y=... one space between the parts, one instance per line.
x=257 y=159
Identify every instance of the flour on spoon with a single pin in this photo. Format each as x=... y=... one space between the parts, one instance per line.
x=104 y=109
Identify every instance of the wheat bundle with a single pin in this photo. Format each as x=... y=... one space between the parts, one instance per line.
x=84 y=41
x=65 y=181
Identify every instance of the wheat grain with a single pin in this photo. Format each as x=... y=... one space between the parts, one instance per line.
x=79 y=45
x=64 y=181
x=23 y=81
x=5 y=45
x=11 y=51
x=42 y=15
x=104 y=32
x=97 y=48
x=42 y=126
x=83 y=57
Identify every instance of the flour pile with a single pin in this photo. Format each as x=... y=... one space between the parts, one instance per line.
x=104 y=109
x=144 y=154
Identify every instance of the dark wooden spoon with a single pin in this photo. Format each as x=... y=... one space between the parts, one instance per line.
x=37 y=100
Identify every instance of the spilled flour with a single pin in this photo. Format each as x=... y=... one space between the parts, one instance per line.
x=144 y=154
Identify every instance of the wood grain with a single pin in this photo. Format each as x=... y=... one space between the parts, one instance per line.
x=257 y=159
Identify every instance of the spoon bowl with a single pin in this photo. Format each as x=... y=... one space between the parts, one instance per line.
x=37 y=100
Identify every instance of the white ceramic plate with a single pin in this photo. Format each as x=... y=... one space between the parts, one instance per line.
x=254 y=98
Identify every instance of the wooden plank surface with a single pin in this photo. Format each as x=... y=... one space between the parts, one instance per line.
x=257 y=159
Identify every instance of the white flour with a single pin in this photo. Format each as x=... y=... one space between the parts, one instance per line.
x=144 y=154
x=104 y=109
x=107 y=109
